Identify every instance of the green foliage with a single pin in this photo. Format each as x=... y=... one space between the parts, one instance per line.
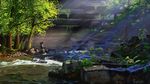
x=38 y=13
x=142 y=34
x=10 y=15
x=26 y=17
x=129 y=8
x=146 y=69
x=132 y=61
x=20 y=13
x=86 y=63
x=93 y=52
x=146 y=46
x=135 y=51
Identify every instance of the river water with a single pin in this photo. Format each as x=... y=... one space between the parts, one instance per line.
x=29 y=72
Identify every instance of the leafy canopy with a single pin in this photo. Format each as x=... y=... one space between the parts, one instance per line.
x=21 y=14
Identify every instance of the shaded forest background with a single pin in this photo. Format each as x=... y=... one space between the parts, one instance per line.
x=60 y=24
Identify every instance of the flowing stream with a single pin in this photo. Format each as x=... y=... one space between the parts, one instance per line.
x=28 y=62
x=28 y=72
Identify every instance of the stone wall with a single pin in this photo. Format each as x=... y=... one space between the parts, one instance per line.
x=102 y=75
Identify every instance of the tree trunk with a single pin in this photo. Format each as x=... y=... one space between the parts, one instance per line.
x=5 y=40
x=23 y=42
x=9 y=37
x=17 y=39
x=10 y=40
x=29 y=44
x=0 y=39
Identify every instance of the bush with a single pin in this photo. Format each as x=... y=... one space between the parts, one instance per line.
x=86 y=63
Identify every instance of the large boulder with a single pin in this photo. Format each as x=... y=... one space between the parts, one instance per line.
x=98 y=74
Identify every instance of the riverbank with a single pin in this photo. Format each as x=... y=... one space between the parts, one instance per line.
x=8 y=57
